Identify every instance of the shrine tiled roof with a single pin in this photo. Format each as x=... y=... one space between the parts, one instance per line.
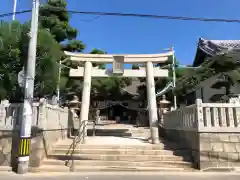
x=209 y=48
x=133 y=88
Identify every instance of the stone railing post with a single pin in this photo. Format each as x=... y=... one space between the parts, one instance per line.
x=71 y=122
x=199 y=114
x=37 y=143
x=42 y=120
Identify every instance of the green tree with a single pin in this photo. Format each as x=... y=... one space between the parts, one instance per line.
x=107 y=87
x=53 y=16
x=162 y=82
x=135 y=66
x=13 y=55
x=10 y=57
x=49 y=53
x=226 y=80
x=226 y=64
x=98 y=51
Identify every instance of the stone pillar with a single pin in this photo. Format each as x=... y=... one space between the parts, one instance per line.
x=86 y=95
x=152 y=103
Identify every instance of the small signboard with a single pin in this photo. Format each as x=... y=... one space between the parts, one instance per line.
x=118 y=65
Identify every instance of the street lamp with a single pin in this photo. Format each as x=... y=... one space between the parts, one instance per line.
x=59 y=77
x=173 y=74
x=14 y=9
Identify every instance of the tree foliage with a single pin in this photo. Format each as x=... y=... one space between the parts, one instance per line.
x=135 y=66
x=55 y=18
x=110 y=87
x=98 y=51
x=14 y=53
x=227 y=65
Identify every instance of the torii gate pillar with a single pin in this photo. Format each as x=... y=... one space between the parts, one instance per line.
x=152 y=103
x=86 y=97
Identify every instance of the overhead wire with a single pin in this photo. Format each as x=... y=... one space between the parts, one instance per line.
x=17 y=12
x=183 y=18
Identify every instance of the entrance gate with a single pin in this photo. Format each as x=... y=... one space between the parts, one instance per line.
x=88 y=71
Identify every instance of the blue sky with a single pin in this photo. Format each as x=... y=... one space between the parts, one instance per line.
x=142 y=35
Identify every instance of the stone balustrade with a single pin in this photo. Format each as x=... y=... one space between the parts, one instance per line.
x=10 y=116
x=220 y=117
x=187 y=116
x=205 y=117
x=49 y=125
x=210 y=131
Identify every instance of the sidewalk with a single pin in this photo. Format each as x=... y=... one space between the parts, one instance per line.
x=120 y=176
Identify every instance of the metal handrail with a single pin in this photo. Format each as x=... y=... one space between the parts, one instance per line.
x=77 y=139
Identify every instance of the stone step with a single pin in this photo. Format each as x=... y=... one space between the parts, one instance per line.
x=140 y=130
x=145 y=146
x=109 y=132
x=47 y=168
x=122 y=151
x=108 y=157
x=77 y=163
x=5 y=169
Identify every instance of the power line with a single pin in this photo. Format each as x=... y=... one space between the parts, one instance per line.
x=17 y=12
x=89 y=20
x=183 y=18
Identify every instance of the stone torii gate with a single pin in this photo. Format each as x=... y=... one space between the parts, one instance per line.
x=118 y=61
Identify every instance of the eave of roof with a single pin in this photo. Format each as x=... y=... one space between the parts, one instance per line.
x=210 y=48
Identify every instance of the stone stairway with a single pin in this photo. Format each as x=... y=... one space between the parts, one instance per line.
x=108 y=157
x=140 y=132
x=119 y=130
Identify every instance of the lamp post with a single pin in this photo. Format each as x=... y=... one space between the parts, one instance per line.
x=174 y=80
x=59 y=78
x=173 y=66
x=14 y=9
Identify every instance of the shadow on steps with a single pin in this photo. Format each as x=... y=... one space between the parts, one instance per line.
x=176 y=147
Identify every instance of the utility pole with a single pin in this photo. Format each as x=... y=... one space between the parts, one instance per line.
x=174 y=79
x=26 y=120
x=14 y=9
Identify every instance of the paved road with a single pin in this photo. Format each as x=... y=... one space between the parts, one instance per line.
x=119 y=176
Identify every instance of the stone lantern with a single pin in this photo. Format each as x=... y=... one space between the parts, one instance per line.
x=164 y=106
x=74 y=103
x=74 y=120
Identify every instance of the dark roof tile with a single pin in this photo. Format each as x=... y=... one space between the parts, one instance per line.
x=211 y=48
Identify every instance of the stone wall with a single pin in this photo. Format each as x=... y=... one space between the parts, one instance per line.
x=211 y=131
x=186 y=140
x=50 y=127
x=219 y=150
x=41 y=145
x=208 y=150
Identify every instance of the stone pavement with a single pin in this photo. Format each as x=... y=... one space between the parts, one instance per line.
x=126 y=176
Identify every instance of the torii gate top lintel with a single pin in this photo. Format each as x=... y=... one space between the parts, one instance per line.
x=128 y=58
